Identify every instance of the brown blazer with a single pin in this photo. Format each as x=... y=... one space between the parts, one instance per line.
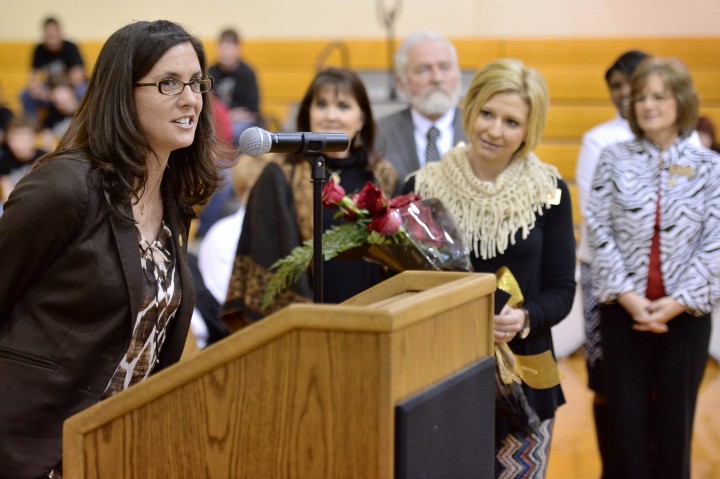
x=70 y=286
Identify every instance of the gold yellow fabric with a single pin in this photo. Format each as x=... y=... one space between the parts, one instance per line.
x=539 y=371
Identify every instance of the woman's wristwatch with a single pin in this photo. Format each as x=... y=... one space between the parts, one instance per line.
x=525 y=331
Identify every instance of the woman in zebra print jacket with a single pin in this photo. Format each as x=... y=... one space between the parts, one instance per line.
x=654 y=223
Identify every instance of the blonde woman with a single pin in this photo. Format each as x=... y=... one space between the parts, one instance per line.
x=513 y=210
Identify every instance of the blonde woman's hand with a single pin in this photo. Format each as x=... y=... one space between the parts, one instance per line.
x=508 y=323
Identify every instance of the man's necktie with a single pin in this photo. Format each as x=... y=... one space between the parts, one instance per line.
x=432 y=153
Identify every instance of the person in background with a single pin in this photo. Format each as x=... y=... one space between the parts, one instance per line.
x=214 y=262
x=428 y=75
x=221 y=120
x=617 y=78
x=237 y=90
x=55 y=56
x=654 y=224
x=217 y=250
x=205 y=326
x=513 y=211
x=6 y=115
x=706 y=130
x=279 y=212
x=95 y=290
x=224 y=202
x=63 y=103
x=235 y=83
x=17 y=155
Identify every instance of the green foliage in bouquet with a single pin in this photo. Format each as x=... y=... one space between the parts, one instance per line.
x=289 y=269
x=373 y=221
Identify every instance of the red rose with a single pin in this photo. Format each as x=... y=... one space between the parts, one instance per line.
x=421 y=225
x=387 y=224
x=403 y=201
x=333 y=194
x=372 y=199
x=434 y=230
x=350 y=215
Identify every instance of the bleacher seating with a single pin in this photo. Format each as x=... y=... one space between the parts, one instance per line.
x=573 y=68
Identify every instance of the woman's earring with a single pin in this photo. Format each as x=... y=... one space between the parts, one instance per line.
x=357 y=142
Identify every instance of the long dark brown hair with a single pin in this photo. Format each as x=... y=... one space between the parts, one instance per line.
x=344 y=80
x=107 y=129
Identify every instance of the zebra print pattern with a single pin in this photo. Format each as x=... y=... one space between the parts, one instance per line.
x=525 y=455
x=591 y=313
x=621 y=218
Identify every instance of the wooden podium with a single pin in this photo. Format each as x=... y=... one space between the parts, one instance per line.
x=308 y=392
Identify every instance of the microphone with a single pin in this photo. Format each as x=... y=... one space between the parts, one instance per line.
x=256 y=142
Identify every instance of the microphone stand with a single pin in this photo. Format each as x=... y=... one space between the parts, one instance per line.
x=313 y=148
x=256 y=141
x=317 y=166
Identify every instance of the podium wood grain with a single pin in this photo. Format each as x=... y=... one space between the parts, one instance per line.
x=307 y=392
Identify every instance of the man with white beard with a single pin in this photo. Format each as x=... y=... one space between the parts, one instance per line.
x=428 y=75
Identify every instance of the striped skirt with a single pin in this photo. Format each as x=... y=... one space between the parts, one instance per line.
x=524 y=454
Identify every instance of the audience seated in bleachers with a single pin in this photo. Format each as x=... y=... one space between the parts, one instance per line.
x=6 y=115
x=63 y=102
x=54 y=56
x=238 y=100
x=17 y=155
x=235 y=83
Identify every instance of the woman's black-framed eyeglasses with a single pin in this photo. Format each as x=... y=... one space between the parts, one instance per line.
x=173 y=86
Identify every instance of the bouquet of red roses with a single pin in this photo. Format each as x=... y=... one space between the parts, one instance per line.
x=405 y=232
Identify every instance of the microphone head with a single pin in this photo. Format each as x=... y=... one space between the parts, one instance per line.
x=255 y=141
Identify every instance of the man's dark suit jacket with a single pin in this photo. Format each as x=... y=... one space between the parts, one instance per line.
x=70 y=286
x=396 y=142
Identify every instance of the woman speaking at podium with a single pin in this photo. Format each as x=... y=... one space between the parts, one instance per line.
x=95 y=290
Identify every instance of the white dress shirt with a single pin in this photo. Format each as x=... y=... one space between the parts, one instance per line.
x=444 y=124
x=593 y=143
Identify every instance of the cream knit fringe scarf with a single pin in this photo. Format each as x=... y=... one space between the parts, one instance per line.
x=488 y=214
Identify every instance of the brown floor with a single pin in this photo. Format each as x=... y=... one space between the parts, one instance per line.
x=574 y=450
